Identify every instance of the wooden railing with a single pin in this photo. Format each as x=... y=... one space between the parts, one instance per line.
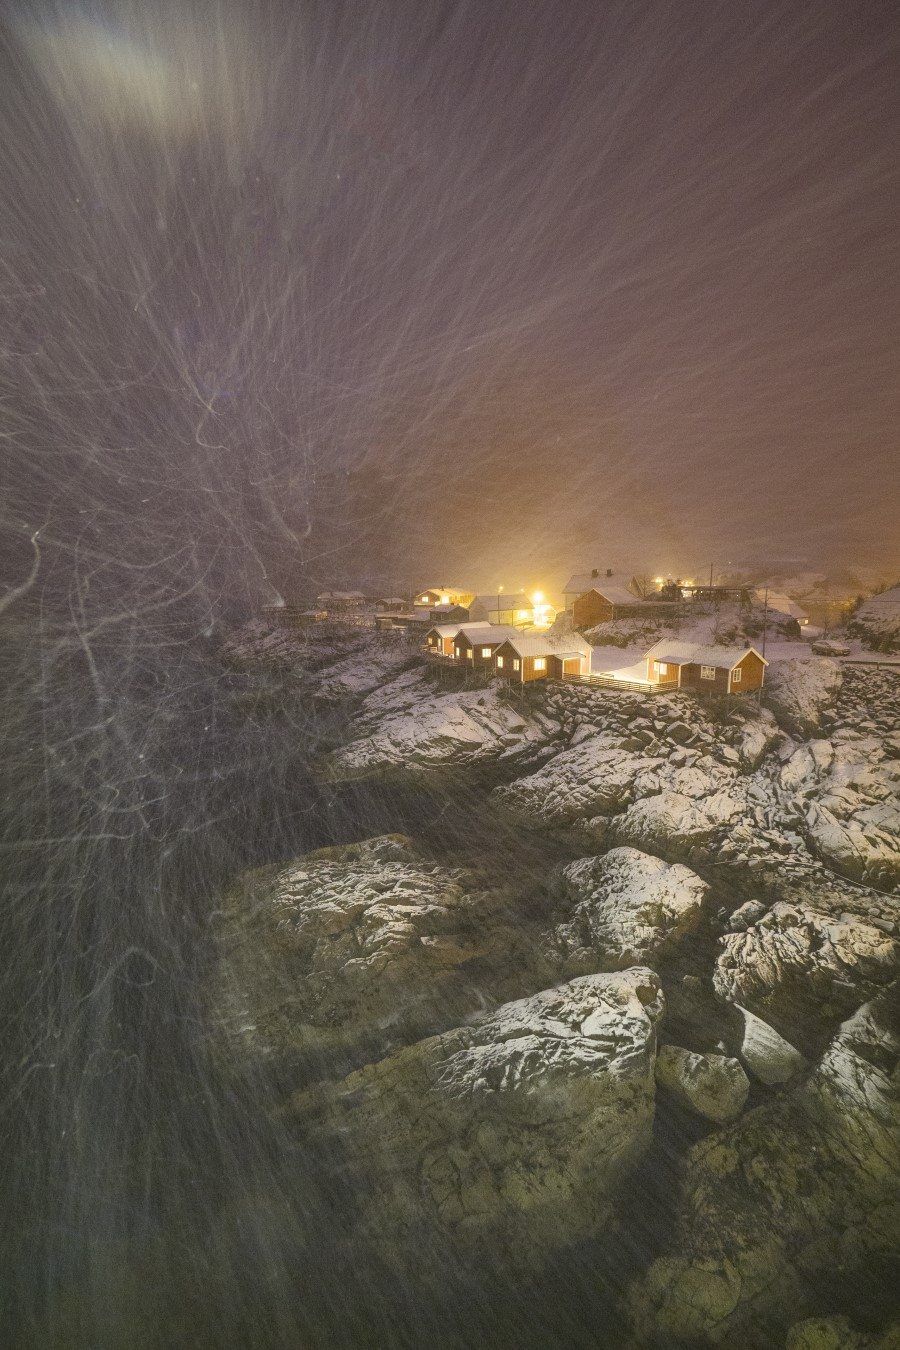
x=629 y=686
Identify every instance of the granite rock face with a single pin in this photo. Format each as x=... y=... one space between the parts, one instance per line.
x=798 y=692
x=714 y=1086
x=798 y=967
x=769 y=1057
x=625 y=908
x=409 y=725
x=510 y=1135
x=352 y=950
x=773 y=1205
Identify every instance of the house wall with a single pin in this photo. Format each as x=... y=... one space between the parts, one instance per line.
x=464 y=644
x=753 y=672
x=593 y=608
x=690 y=679
x=590 y=609
x=526 y=673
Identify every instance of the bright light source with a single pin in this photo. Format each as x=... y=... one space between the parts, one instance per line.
x=658 y=581
x=538 y=597
x=445 y=599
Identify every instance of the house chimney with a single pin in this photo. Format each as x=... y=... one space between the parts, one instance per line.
x=609 y=571
x=595 y=571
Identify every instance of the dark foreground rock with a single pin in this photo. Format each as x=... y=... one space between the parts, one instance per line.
x=351 y=951
x=510 y=1136
x=798 y=1193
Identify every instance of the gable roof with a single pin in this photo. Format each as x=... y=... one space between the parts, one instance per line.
x=503 y=600
x=781 y=603
x=528 y=644
x=616 y=589
x=493 y=633
x=697 y=653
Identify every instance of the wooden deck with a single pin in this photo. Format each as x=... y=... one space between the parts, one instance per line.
x=627 y=686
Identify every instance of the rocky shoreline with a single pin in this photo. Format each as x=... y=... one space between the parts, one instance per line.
x=478 y=1054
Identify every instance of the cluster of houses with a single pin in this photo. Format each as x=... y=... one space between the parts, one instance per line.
x=523 y=657
x=508 y=635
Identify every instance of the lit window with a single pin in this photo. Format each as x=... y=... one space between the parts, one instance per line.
x=707 y=672
x=736 y=676
x=522 y=613
x=457 y=653
x=485 y=651
x=661 y=667
x=499 y=662
x=516 y=663
x=471 y=654
x=540 y=663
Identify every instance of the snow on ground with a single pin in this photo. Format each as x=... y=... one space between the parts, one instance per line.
x=877 y=620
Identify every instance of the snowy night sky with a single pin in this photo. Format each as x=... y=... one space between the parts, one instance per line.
x=370 y=292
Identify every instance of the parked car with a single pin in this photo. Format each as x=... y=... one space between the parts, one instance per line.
x=829 y=647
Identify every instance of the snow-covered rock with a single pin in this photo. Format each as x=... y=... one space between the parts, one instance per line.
x=877 y=621
x=803 y=969
x=595 y=777
x=799 y=691
x=675 y=824
x=626 y=908
x=410 y=725
x=509 y=1135
x=848 y=789
x=773 y=1205
x=768 y=1056
x=352 y=950
x=714 y=1086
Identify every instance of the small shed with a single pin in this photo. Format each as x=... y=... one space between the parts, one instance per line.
x=523 y=658
x=705 y=669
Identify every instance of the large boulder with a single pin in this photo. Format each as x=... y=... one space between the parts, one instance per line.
x=803 y=970
x=769 y=1057
x=848 y=791
x=714 y=1086
x=409 y=725
x=509 y=1136
x=799 y=691
x=595 y=777
x=350 y=951
x=623 y=909
x=776 y=1205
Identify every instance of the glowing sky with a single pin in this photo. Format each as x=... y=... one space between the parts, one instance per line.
x=486 y=290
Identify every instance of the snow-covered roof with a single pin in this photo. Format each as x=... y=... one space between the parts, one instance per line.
x=782 y=603
x=680 y=653
x=341 y=595
x=527 y=644
x=503 y=600
x=616 y=589
x=493 y=633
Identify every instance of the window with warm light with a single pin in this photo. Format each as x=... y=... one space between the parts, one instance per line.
x=517 y=664
x=707 y=672
x=471 y=654
x=499 y=662
x=540 y=663
x=485 y=652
